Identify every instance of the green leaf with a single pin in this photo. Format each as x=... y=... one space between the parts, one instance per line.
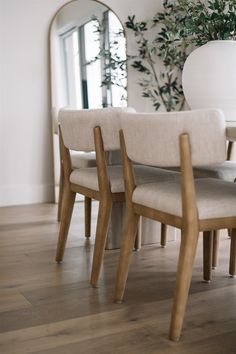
x=177 y=30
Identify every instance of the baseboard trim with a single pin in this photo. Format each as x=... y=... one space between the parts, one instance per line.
x=25 y=194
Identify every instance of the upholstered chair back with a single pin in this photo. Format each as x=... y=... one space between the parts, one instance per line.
x=77 y=127
x=153 y=138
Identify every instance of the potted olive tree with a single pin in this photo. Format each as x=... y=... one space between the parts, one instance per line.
x=179 y=29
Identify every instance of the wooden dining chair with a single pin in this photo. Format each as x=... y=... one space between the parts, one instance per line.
x=192 y=205
x=89 y=130
x=79 y=159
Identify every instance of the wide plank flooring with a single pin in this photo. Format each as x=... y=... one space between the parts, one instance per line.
x=46 y=308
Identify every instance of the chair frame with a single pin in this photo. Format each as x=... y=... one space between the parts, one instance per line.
x=190 y=226
x=105 y=197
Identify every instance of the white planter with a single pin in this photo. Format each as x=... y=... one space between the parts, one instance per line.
x=209 y=77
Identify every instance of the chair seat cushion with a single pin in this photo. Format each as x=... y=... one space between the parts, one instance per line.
x=87 y=177
x=231 y=133
x=81 y=159
x=215 y=198
x=225 y=171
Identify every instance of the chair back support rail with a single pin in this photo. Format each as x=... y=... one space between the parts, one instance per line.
x=89 y=130
x=77 y=127
x=159 y=134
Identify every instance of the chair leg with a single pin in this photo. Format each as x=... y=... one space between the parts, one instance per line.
x=61 y=188
x=87 y=216
x=184 y=273
x=138 y=239
x=232 y=262
x=66 y=213
x=207 y=255
x=163 y=235
x=104 y=214
x=229 y=150
x=127 y=244
x=216 y=241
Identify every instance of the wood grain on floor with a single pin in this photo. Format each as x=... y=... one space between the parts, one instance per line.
x=46 y=308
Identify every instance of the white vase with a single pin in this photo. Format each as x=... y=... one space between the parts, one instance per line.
x=209 y=77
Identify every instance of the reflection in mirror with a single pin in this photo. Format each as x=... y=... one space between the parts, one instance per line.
x=88 y=61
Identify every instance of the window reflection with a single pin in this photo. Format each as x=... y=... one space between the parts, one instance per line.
x=72 y=72
x=93 y=69
x=90 y=51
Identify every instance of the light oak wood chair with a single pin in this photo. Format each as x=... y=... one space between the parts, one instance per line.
x=79 y=159
x=184 y=139
x=89 y=130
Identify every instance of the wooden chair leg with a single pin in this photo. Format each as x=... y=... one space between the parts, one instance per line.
x=163 y=235
x=66 y=213
x=184 y=273
x=127 y=244
x=215 y=255
x=232 y=262
x=104 y=214
x=229 y=150
x=138 y=239
x=87 y=216
x=207 y=255
x=61 y=188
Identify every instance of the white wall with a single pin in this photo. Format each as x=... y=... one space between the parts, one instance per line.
x=26 y=174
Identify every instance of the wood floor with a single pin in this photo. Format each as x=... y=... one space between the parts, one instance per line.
x=46 y=308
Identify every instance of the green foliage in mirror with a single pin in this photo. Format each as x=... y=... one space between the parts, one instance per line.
x=114 y=61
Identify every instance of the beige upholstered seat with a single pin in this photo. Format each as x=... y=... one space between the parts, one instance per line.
x=104 y=183
x=88 y=177
x=231 y=133
x=182 y=139
x=225 y=171
x=166 y=196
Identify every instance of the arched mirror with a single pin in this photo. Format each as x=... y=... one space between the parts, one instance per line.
x=88 y=62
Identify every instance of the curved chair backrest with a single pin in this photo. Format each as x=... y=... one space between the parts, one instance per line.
x=77 y=127
x=153 y=138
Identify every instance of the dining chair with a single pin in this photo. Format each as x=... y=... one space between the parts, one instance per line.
x=89 y=130
x=79 y=159
x=192 y=205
